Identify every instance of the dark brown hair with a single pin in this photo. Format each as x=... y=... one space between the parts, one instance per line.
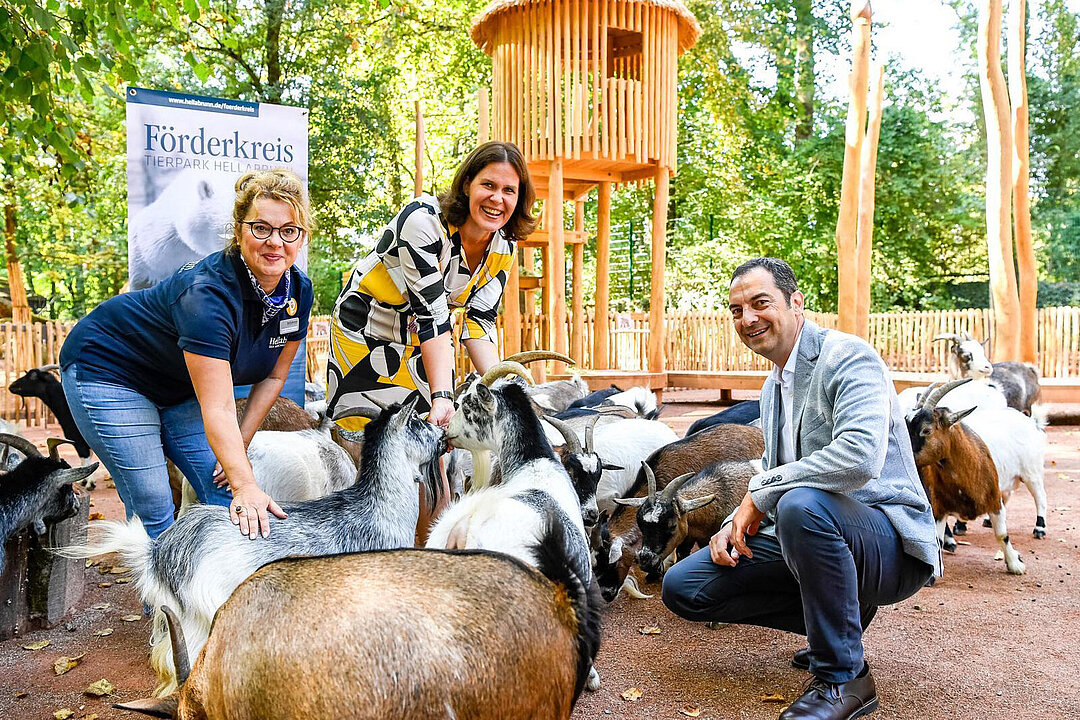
x=455 y=201
x=277 y=184
x=782 y=274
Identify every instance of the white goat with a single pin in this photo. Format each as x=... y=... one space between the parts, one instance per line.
x=511 y=517
x=201 y=559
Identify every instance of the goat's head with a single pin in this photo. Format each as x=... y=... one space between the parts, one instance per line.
x=59 y=500
x=928 y=425
x=35 y=382
x=583 y=465
x=662 y=517
x=968 y=354
x=397 y=428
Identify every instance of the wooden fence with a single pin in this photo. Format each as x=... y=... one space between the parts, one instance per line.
x=699 y=341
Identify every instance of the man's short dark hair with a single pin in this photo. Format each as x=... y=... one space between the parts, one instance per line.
x=782 y=274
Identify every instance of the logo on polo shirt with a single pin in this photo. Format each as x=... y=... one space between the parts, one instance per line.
x=290 y=307
x=278 y=341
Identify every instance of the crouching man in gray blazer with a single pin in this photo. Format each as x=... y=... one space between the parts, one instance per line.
x=837 y=524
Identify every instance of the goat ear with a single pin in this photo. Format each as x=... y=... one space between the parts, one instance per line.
x=953 y=418
x=72 y=475
x=166 y=707
x=689 y=505
x=609 y=466
x=484 y=394
x=630 y=502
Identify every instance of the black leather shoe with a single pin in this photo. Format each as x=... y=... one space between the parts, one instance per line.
x=829 y=701
x=801 y=659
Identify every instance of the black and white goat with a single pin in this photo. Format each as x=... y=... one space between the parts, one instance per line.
x=584 y=465
x=200 y=560
x=37 y=492
x=510 y=517
x=1018 y=382
x=42 y=384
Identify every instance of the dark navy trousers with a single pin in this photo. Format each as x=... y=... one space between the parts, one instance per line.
x=832 y=563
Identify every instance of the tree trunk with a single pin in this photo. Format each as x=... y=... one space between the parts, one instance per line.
x=995 y=100
x=1028 y=277
x=804 y=69
x=274 y=12
x=847 y=217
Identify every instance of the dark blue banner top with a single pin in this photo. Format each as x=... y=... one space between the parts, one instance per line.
x=184 y=101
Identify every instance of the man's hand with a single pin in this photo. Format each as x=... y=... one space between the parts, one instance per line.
x=746 y=522
x=718 y=548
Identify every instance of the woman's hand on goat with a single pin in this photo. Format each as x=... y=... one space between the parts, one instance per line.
x=441 y=411
x=249 y=510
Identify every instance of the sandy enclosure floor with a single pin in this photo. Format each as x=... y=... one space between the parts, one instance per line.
x=979 y=644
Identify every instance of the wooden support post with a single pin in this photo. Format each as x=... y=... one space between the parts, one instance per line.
x=603 y=281
x=418 y=184
x=483 y=130
x=659 y=253
x=999 y=148
x=556 y=271
x=20 y=306
x=865 y=233
x=1028 y=278
x=577 y=337
x=512 y=310
x=847 y=217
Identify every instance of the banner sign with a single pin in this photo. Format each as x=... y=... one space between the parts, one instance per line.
x=185 y=154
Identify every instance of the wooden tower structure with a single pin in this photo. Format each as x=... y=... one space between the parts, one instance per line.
x=587 y=89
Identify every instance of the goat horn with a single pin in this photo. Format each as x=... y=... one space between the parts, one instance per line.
x=21 y=444
x=54 y=444
x=364 y=412
x=533 y=355
x=650 y=478
x=937 y=391
x=66 y=476
x=569 y=436
x=179 y=647
x=589 y=429
x=947 y=336
x=504 y=368
x=49 y=367
x=967 y=336
x=376 y=402
x=4 y=457
x=674 y=485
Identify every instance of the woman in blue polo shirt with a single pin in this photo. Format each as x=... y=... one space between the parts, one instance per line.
x=150 y=374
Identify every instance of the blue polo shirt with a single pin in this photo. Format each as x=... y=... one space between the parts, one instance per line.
x=207 y=308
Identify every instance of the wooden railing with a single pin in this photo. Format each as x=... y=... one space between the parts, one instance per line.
x=701 y=341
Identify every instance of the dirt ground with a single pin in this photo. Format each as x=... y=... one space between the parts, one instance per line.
x=979 y=644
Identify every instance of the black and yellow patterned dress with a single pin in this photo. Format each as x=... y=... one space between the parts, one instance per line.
x=401 y=294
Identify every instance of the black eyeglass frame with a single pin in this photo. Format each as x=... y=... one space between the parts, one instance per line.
x=252 y=223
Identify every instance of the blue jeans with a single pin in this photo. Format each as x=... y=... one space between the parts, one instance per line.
x=832 y=563
x=132 y=436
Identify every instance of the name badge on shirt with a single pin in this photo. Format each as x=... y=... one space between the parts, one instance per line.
x=289 y=325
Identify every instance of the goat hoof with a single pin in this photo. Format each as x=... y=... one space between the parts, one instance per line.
x=949 y=546
x=593 y=683
x=987 y=523
x=1038 y=533
x=930 y=582
x=959 y=528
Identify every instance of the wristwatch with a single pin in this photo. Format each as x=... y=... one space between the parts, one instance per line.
x=443 y=394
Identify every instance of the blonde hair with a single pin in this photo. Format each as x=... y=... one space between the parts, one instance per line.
x=277 y=184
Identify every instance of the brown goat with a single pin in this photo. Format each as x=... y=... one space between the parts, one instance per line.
x=621 y=539
x=399 y=634
x=956 y=469
x=689 y=511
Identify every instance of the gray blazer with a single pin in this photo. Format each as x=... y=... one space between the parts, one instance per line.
x=850 y=437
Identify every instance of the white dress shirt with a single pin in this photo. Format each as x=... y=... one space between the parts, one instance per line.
x=785 y=378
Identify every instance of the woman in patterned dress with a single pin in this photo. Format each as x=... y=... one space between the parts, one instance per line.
x=390 y=332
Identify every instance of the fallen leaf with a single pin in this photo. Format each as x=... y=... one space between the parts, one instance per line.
x=690 y=710
x=101 y=606
x=1063 y=476
x=1063 y=508
x=999 y=555
x=97 y=516
x=650 y=630
x=21 y=694
x=104 y=569
x=121 y=581
x=632 y=694
x=104 y=584
x=958 y=542
x=101 y=687
x=772 y=697
x=93 y=562
x=131 y=618
x=37 y=645
x=110 y=484
x=63 y=714
x=65 y=663
x=104 y=632
x=120 y=570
